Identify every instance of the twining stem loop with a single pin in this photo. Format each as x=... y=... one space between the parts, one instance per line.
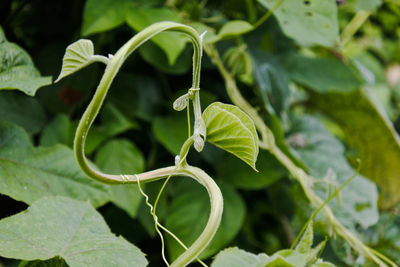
x=114 y=64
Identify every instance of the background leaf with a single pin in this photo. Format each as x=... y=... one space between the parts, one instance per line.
x=187 y=218
x=309 y=22
x=17 y=70
x=72 y=230
x=28 y=173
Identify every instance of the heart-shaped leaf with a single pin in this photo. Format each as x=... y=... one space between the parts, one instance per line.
x=231 y=129
x=78 y=55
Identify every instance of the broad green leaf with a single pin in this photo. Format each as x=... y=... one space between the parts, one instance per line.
x=54 y=262
x=231 y=129
x=155 y=56
x=322 y=74
x=122 y=157
x=324 y=156
x=188 y=215
x=17 y=70
x=235 y=257
x=171 y=132
x=71 y=229
x=368 y=130
x=77 y=56
x=28 y=173
x=58 y=131
x=171 y=43
x=236 y=172
x=22 y=110
x=309 y=22
x=234 y=28
x=287 y=258
x=102 y=15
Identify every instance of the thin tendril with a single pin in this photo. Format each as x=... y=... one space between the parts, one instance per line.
x=156 y=223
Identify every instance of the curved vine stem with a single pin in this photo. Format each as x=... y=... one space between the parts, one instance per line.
x=267 y=142
x=113 y=65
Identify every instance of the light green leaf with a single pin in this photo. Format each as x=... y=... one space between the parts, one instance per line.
x=102 y=15
x=234 y=28
x=187 y=218
x=122 y=157
x=322 y=74
x=71 y=229
x=231 y=129
x=171 y=43
x=367 y=130
x=235 y=257
x=324 y=156
x=17 y=70
x=77 y=56
x=171 y=132
x=306 y=240
x=287 y=258
x=28 y=173
x=368 y=5
x=23 y=110
x=201 y=28
x=309 y=22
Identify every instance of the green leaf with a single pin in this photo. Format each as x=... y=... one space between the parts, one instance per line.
x=28 y=173
x=306 y=240
x=237 y=173
x=322 y=74
x=324 y=156
x=122 y=157
x=17 y=70
x=171 y=43
x=71 y=229
x=367 y=130
x=234 y=28
x=57 y=132
x=188 y=215
x=54 y=262
x=287 y=258
x=102 y=15
x=77 y=56
x=231 y=129
x=235 y=257
x=368 y=5
x=22 y=110
x=171 y=132
x=201 y=28
x=309 y=22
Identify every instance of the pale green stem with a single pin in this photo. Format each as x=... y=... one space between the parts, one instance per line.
x=113 y=66
x=353 y=26
x=268 y=143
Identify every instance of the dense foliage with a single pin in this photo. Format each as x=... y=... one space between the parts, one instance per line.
x=300 y=99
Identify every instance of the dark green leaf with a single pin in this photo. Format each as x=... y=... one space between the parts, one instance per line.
x=54 y=262
x=57 y=132
x=188 y=214
x=171 y=43
x=102 y=15
x=236 y=172
x=322 y=74
x=122 y=157
x=171 y=132
x=71 y=229
x=22 y=110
